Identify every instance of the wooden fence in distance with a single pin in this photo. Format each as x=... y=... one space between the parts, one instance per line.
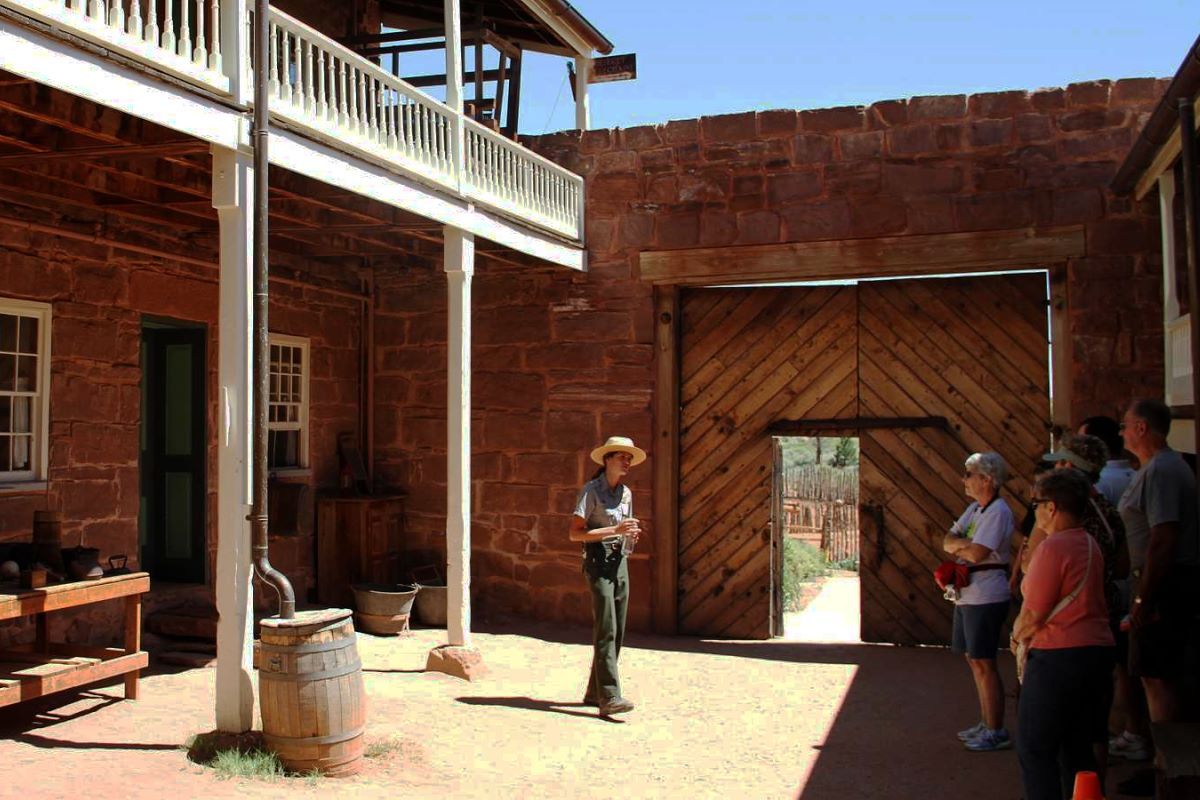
x=820 y=507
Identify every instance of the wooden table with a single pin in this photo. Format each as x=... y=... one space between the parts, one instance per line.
x=45 y=667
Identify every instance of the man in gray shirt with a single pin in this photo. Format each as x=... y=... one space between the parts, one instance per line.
x=1159 y=511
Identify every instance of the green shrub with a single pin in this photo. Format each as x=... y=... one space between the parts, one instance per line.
x=801 y=563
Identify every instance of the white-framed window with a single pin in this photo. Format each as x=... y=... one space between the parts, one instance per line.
x=24 y=390
x=287 y=410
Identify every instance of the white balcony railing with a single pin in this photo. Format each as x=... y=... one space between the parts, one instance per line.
x=322 y=87
x=180 y=37
x=331 y=93
x=1179 y=361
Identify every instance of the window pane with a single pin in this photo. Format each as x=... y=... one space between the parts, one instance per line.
x=8 y=373
x=273 y=396
x=8 y=332
x=5 y=414
x=5 y=447
x=22 y=452
x=27 y=340
x=22 y=415
x=26 y=373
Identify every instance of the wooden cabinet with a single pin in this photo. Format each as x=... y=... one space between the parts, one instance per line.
x=359 y=540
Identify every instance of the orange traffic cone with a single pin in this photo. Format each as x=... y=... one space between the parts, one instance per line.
x=1087 y=787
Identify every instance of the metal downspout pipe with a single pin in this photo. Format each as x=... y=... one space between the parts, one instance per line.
x=262 y=375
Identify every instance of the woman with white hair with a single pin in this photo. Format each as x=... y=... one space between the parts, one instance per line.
x=981 y=540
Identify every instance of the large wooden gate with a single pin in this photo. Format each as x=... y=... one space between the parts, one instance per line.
x=972 y=350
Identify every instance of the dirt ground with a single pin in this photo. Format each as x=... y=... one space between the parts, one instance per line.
x=775 y=719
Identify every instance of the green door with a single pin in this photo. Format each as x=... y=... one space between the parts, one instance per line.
x=173 y=454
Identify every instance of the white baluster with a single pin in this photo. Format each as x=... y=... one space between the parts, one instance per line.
x=134 y=26
x=96 y=10
x=406 y=126
x=285 y=65
x=322 y=98
x=200 y=53
x=185 y=31
x=298 y=95
x=343 y=106
x=377 y=134
x=151 y=32
x=168 y=34
x=80 y=6
x=364 y=110
x=214 y=56
x=389 y=127
x=310 y=82
x=272 y=60
x=116 y=15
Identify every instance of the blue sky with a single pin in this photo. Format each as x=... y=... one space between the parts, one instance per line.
x=760 y=54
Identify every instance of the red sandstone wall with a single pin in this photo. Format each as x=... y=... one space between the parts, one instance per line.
x=98 y=298
x=563 y=360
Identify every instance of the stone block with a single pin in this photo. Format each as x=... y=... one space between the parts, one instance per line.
x=995 y=210
x=852 y=177
x=729 y=127
x=641 y=137
x=812 y=148
x=1135 y=90
x=998 y=104
x=459 y=662
x=678 y=230
x=878 y=216
x=887 y=113
x=827 y=120
x=1114 y=142
x=950 y=106
x=816 y=221
x=757 y=227
x=990 y=132
x=911 y=140
x=513 y=323
x=595 y=141
x=854 y=146
x=507 y=389
x=616 y=161
x=1088 y=93
x=921 y=178
x=718 y=228
x=777 y=123
x=635 y=230
x=1034 y=128
x=681 y=132
x=660 y=159
x=513 y=431
x=791 y=187
x=1048 y=99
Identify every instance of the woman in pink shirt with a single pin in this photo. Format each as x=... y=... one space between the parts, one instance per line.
x=1067 y=682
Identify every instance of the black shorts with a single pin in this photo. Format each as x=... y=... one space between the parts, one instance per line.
x=977 y=629
x=1161 y=648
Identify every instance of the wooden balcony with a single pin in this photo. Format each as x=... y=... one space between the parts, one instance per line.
x=324 y=91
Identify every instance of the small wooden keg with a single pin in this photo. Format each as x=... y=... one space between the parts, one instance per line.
x=47 y=539
x=310 y=690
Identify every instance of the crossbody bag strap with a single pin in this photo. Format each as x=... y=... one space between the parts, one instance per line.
x=1066 y=601
x=1103 y=521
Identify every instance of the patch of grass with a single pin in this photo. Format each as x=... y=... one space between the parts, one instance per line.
x=802 y=563
x=238 y=755
x=382 y=748
x=847 y=564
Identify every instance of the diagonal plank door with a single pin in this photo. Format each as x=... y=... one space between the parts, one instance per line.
x=748 y=358
x=973 y=350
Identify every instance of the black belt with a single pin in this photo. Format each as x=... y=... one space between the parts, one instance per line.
x=602 y=549
x=984 y=567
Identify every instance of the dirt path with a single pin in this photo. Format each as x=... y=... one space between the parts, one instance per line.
x=771 y=719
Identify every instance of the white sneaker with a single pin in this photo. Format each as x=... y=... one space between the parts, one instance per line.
x=1129 y=746
x=971 y=732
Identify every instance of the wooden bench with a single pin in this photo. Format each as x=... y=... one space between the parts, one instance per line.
x=1178 y=763
x=45 y=667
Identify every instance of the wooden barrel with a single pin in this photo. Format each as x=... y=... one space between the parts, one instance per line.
x=310 y=691
x=47 y=539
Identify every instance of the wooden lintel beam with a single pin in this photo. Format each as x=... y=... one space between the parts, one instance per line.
x=113 y=151
x=422 y=81
x=800 y=427
x=394 y=36
x=887 y=256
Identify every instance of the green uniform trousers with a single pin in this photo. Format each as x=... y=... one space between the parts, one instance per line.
x=608 y=578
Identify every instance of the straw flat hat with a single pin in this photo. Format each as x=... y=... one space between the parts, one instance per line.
x=619 y=444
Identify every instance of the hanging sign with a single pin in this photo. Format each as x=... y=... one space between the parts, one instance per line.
x=614 y=68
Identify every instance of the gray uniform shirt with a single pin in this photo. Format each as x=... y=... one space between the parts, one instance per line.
x=1163 y=490
x=600 y=506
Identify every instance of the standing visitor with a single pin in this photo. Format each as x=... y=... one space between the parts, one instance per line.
x=605 y=524
x=1067 y=684
x=981 y=540
x=1117 y=472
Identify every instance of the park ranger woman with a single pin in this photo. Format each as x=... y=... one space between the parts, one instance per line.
x=605 y=524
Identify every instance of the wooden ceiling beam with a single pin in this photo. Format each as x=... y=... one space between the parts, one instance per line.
x=112 y=151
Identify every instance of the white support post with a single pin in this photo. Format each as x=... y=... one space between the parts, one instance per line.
x=234 y=49
x=1166 y=205
x=459 y=266
x=458 y=657
x=454 y=86
x=583 y=110
x=232 y=197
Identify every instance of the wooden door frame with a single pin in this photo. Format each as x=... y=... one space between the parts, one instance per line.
x=882 y=257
